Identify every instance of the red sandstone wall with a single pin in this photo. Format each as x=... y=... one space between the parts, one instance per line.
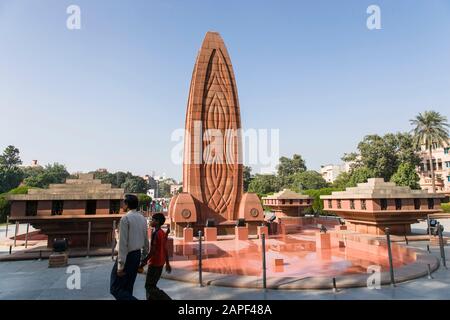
x=74 y=207
x=44 y=208
x=18 y=208
x=102 y=207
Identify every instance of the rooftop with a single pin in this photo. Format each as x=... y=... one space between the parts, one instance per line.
x=83 y=188
x=287 y=194
x=377 y=188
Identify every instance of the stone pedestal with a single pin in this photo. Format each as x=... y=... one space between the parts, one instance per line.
x=57 y=260
x=340 y=228
x=241 y=233
x=261 y=230
x=170 y=246
x=278 y=262
x=210 y=234
x=323 y=240
x=188 y=235
x=188 y=250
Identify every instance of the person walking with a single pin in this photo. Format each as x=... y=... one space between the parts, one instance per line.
x=133 y=238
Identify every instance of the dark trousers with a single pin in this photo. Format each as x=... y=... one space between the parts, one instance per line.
x=151 y=290
x=122 y=287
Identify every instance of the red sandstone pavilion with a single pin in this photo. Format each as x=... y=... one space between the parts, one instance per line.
x=212 y=169
x=371 y=207
x=64 y=210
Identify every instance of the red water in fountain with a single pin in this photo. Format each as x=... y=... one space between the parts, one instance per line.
x=298 y=251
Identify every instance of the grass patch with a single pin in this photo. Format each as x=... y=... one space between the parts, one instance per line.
x=446 y=207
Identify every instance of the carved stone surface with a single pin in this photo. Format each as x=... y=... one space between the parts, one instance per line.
x=212 y=164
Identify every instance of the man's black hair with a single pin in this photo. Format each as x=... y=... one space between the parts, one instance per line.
x=131 y=201
x=160 y=218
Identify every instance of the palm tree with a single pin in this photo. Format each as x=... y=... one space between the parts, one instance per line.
x=431 y=131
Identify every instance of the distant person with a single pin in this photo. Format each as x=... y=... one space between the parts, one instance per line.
x=133 y=238
x=157 y=258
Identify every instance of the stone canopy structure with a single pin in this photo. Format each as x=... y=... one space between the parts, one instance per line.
x=371 y=207
x=288 y=203
x=64 y=210
x=212 y=164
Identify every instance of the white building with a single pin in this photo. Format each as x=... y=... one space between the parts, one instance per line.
x=441 y=165
x=174 y=188
x=331 y=171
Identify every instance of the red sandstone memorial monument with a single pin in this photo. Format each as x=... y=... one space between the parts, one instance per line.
x=212 y=166
x=65 y=210
x=371 y=207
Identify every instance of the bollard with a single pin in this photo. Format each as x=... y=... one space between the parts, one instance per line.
x=10 y=249
x=441 y=245
x=113 y=239
x=428 y=248
x=88 y=240
x=406 y=239
x=391 y=266
x=7 y=226
x=26 y=235
x=429 y=272
x=263 y=240
x=40 y=255
x=200 y=280
x=334 y=285
x=428 y=223
x=15 y=232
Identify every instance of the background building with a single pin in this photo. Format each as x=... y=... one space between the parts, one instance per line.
x=441 y=165
x=331 y=171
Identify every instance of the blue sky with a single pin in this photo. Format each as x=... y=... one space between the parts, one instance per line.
x=110 y=95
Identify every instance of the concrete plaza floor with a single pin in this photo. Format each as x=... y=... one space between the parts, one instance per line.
x=35 y=281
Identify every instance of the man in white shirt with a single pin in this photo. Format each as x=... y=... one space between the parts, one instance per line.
x=133 y=238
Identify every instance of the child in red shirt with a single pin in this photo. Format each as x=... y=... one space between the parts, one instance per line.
x=157 y=258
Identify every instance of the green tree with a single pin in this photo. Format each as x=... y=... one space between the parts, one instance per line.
x=144 y=200
x=308 y=180
x=288 y=167
x=342 y=180
x=431 y=131
x=406 y=175
x=379 y=157
x=164 y=189
x=135 y=184
x=43 y=177
x=360 y=175
x=247 y=177
x=10 y=173
x=264 y=184
x=378 y=154
x=10 y=158
x=317 y=205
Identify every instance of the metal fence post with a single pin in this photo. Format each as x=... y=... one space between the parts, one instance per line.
x=429 y=271
x=200 y=280
x=113 y=239
x=26 y=235
x=391 y=265
x=334 y=285
x=428 y=223
x=441 y=245
x=89 y=240
x=7 y=226
x=263 y=243
x=15 y=232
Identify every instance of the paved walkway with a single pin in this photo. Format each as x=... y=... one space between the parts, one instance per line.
x=34 y=280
